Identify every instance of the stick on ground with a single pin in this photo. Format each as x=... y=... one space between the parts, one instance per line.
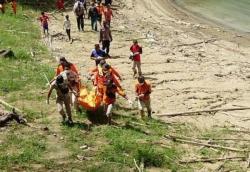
x=183 y=140
x=201 y=111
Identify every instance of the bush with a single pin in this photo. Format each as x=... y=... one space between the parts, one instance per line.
x=150 y=156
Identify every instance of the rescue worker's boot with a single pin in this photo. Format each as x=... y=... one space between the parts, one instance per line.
x=135 y=72
x=149 y=114
x=142 y=114
x=70 y=121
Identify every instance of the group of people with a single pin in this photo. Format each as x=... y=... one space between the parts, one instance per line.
x=106 y=80
x=3 y=4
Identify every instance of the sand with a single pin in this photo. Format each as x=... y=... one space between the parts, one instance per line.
x=185 y=77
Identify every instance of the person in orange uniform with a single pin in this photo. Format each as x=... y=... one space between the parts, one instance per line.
x=100 y=9
x=135 y=56
x=143 y=91
x=110 y=97
x=100 y=79
x=61 y=67
x=99 y=67
x=14 y=6
x=108 y=13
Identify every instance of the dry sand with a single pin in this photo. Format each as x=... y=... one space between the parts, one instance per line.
x=185 y=77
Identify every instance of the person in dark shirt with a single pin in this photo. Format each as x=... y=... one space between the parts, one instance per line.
x=97 y=54
x=93 y=16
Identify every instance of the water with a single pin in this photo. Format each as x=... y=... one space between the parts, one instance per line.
x=231 y=13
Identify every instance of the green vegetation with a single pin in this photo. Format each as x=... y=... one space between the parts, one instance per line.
x=109 y=148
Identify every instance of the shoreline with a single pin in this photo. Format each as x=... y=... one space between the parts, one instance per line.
x=222 y=30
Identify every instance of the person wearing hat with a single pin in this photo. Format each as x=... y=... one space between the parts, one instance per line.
x=143 y=91
x=136 y=52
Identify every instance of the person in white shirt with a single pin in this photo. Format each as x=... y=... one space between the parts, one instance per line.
x=78 y=10
x=67 y=26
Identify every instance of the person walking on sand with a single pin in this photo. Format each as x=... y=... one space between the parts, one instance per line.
x=109 y=98
x=108 y=14
x=67 y=26
x=97 y=54
x=135 y=56
x=93 y=16
x=44 y=22
x=100 y=9
x=78 y=9
x=63 y=98
x=105 y=37
x=143 y=91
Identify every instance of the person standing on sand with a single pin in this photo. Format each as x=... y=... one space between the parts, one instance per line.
x=136 y=51
x=108 y=14
x=143 y=91
x=97 y=54
x=78 y=9
x=63 y=98
x=105 y=37
x=44 y=22
x=67 y=26
x=93 y=15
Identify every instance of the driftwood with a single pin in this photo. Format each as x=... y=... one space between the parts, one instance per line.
x=237 y=158
x=7 y=117
x=137 y=167
x=9 y=106
x=240 y=131
x=196 y=43
x=6 y=53
x=230 y=139
x=198 y=143
x=190 y=113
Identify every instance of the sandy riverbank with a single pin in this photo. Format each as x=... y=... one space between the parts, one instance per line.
x=184 y=76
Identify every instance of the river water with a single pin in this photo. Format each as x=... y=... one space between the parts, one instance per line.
x=231 y=13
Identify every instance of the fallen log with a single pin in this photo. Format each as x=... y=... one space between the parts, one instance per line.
x=224 y=139
x=237 y=158
x=190 y=113
x=182 y=140
x=196 y=43
x=7 y=117
x=9 y=106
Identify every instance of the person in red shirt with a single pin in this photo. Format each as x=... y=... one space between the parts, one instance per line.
x=14 y=6
x=108 y=13
x=60 y=5
x=110 y=97
x=135 y=56
x=143 y=91
x=44 y=22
